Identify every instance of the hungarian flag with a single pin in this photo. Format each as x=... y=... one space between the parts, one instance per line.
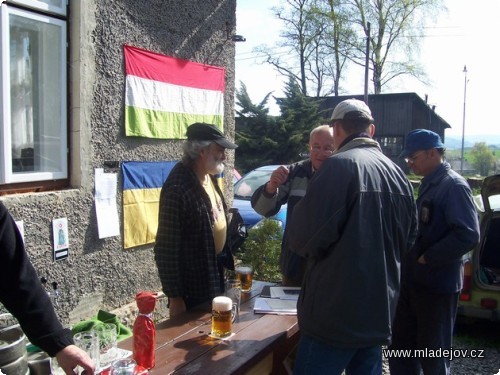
x=163 y=95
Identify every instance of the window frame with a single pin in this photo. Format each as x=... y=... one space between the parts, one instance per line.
x=9 y=179
x=390 y=151
x=43 y=6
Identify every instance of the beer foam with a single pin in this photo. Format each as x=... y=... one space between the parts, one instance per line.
x=222 y=303
x=244 y=270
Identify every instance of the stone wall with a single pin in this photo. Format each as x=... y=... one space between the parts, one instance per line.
x=99 y=273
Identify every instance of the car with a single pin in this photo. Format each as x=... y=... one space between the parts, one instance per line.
x=480 y=295
x=243 y=190
x=236 y=176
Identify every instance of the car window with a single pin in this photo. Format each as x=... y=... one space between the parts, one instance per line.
x=247 y=185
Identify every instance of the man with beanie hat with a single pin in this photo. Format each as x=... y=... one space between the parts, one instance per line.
x=355 y=222
x=192 y=222
x=433 y=269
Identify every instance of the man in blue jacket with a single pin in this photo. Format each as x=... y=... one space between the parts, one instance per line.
x=354 y=224
x=433 y=270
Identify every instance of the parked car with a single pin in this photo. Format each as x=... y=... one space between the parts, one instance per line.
x=236 y=176
x=480 y=296
x=243 y=190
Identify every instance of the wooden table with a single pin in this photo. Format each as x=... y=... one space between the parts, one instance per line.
x=259 y=344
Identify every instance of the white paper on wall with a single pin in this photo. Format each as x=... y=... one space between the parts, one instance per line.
x=108 y=224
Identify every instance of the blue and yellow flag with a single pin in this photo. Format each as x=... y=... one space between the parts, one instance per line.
x=142 y=183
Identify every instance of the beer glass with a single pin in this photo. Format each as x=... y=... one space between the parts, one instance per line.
x=244 y=273
x=123 y=367
x=107 y=333
x=233 y=291
x=88 y=341
x=223 y=314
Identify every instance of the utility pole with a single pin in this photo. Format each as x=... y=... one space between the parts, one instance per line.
x=367 y=61
x=463 y=123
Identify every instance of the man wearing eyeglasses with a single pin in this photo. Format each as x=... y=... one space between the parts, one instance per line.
x=288 y=184
x=433 y=269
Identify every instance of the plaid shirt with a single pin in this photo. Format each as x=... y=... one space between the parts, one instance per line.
x=184 y=249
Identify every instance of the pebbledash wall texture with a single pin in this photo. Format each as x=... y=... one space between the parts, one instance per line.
x=99 y=273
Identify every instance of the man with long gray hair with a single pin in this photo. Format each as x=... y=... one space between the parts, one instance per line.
x=192 y=222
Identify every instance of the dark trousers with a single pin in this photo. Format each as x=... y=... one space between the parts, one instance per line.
x=423 y=321
x=316 y=358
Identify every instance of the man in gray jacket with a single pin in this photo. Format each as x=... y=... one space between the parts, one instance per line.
x=354 y=224
x=288 y=184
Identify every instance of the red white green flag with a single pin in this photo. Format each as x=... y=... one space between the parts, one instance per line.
x=163 y=95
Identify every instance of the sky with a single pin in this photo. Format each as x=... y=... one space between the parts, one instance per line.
x=462 y=36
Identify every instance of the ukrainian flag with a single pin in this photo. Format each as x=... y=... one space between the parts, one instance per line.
x=142 y=183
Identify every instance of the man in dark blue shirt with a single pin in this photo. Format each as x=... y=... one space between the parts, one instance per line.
x=432 y=273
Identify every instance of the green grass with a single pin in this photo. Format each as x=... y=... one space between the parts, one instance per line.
x=457 y=154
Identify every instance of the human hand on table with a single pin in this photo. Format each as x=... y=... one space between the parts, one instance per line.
x=278 y=177
x=176 y=306
x=72 y=356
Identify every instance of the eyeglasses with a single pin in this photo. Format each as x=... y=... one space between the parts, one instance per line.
x=327 y=150
x=411 y=159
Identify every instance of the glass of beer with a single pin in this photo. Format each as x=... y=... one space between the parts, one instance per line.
x=233 y=291
x=244 y=273
x=223 y=314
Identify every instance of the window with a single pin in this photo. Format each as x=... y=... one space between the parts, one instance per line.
x=391 y=146
x=33 y=136
x=51 y=6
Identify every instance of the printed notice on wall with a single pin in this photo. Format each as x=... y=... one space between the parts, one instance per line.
x=105 y=204
x=61 y=240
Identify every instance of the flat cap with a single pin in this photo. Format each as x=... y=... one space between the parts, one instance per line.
x=200 y=131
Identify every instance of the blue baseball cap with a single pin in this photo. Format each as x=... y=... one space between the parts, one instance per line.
x=421 y=139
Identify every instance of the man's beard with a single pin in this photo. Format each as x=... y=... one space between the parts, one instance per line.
x=214 y=166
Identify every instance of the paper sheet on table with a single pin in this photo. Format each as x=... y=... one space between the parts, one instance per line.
x=285 y=292
x=106 y=210
x=275 y=306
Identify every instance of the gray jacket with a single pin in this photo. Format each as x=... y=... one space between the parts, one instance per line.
x=291 y=192
x=354 y=224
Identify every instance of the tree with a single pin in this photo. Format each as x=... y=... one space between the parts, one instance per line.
x=255 y=132
x=299 y=115
x=483 y=159
x=307 y=48
x=322 y=38
x=262 y=250
x=266 y=140
x=335 y=41
x=395 y=29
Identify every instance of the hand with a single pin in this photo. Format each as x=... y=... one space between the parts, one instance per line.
x=421 y=260
x=278 y=177
x=72 y=356
x=176 y=306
